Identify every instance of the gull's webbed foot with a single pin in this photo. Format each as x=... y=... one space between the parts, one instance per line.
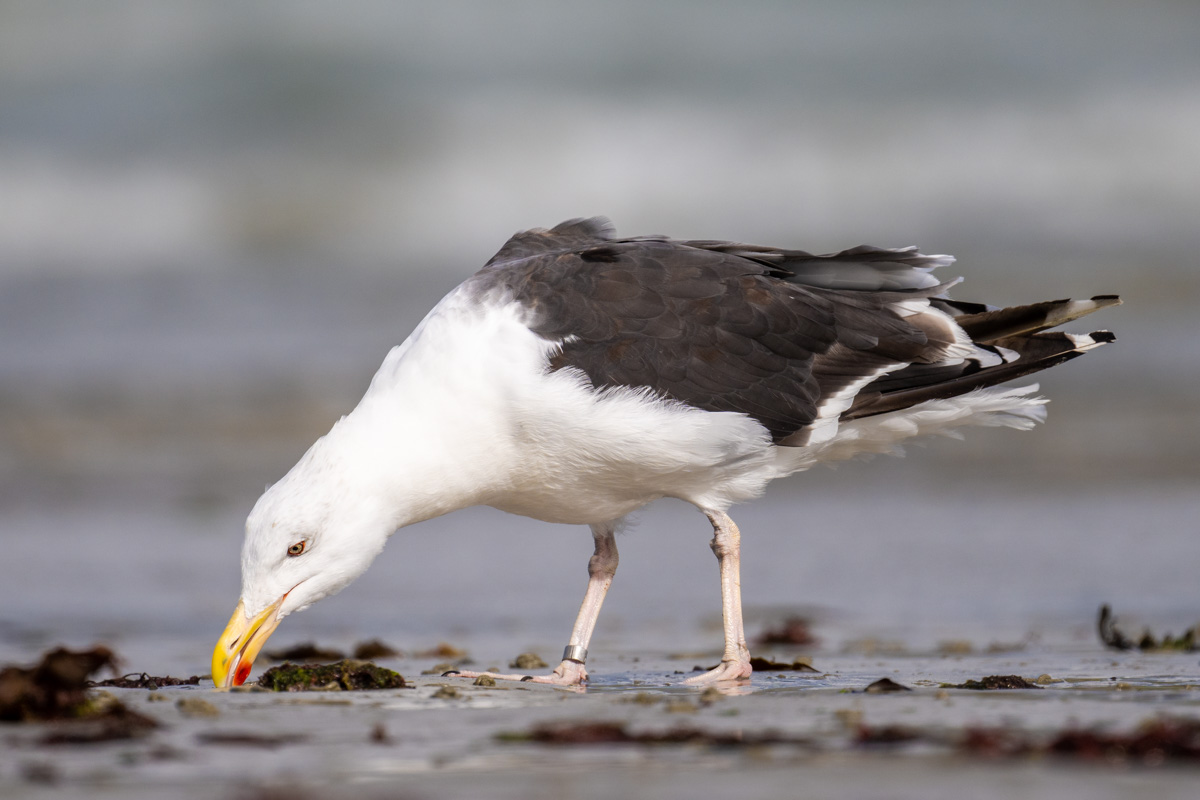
x=728 y=670
x=568 y=673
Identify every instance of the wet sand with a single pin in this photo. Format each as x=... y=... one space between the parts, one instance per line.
x=922 y=593
x=411 y=743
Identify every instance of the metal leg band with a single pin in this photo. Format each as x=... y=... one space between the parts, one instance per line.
x=575 y=652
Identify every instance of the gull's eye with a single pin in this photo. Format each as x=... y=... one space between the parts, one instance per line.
x=297 y=548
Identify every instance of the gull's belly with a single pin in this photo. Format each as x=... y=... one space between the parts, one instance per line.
x=578 y=505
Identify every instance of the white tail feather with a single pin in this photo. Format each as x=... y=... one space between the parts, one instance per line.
x=1016 y=408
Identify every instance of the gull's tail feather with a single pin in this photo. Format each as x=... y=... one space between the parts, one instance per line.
x=1015 y=334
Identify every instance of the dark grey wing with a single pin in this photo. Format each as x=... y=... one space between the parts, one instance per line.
x=708 y=328
x=574 y=234
x=862 y=268
x=783 y=336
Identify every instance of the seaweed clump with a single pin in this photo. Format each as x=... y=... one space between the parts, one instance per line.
x=1154 y=743
x=345 y=675
x=600 y=732
x=56 y=690
x=140 y=680
x=759 y=664
x=995 y=682
x=1113 y=637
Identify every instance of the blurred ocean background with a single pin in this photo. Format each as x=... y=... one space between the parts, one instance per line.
x=216 y=218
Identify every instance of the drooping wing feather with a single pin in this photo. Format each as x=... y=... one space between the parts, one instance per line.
x=987 y=325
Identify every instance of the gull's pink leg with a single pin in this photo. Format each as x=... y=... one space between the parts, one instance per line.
x=601 y=568
x=727 y=545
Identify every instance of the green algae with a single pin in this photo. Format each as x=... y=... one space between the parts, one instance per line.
x=348 y=675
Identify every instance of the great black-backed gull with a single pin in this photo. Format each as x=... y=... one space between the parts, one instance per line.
x=579 y=376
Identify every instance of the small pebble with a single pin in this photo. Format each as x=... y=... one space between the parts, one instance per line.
x=448 y=693
x=485 y=680
x=528 y=661
x=886 y=685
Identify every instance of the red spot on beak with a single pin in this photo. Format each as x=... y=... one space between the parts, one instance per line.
x=243 y=672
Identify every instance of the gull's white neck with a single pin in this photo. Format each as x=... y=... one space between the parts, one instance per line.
x=430 y=435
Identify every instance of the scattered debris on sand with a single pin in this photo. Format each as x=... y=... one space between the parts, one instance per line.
x=345 y=675
x=1155 y=742
x=1116 y=639
x=528 y=661
x=55 y=688
x=759 y=664
x=374 y=648
x=994 y=682
x=1158 y=741
x=792 y=631
x=140 y=680
x=56 y=691
x=115 y=723
x=307 y=651
x=241 y=739
x=803 y=664
x=610 y=732
x=870 y=735
x=886 y=686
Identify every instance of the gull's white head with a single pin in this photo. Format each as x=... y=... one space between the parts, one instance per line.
x=308 y=536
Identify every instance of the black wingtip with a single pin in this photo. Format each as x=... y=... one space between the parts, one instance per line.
x=450 y=672
x=1103 y=337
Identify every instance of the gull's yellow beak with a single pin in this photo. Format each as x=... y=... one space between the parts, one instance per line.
x=239 y=644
